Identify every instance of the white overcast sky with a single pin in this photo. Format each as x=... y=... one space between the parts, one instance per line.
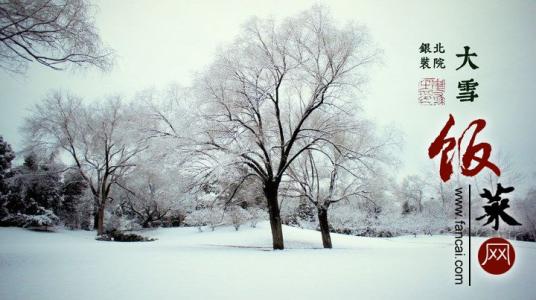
x=159 y=42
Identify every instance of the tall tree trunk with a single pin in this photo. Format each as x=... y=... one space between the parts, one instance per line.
x=324 y=227
x=95 y=216
x=270 y=192
x=100 y=220
x=146 y=223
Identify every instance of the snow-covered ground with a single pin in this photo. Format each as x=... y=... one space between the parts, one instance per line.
x=186 y=264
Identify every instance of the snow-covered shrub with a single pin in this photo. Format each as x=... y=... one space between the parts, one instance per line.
x=175 y=218
x=197 y=218
x=116 y=222
x=31 y=194
x=118 y=236
x=211 y=217
x=238 y=216
x=299 y=213
x=256 y=214
x=43 y=220
x=153 y=192
x=288 y=212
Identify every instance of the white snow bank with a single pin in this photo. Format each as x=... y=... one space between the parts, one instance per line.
x=186 y=264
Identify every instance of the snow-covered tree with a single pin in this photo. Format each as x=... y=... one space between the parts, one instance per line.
x=7 y=155
x=276 y=92
x=325 y=180
x=101 y=139
x=526 y=209
x=35 y=196
x=411 y=193
x=53 y=33
x=77 y=205
x=151 y=194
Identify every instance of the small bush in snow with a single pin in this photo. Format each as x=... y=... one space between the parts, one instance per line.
x=205 y=217
x=256 y=215
x=116 y=222
x=118 y=236
x=42 y=221
x=238 y=216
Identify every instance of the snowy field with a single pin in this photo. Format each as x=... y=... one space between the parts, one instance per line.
x=186 y=264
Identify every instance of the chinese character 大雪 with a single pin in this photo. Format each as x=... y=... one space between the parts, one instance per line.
x=467 y=58
x=467 y=90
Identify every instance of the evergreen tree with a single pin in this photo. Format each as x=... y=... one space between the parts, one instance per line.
x=6 y=157
x=76 y=210
x=33 y=194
